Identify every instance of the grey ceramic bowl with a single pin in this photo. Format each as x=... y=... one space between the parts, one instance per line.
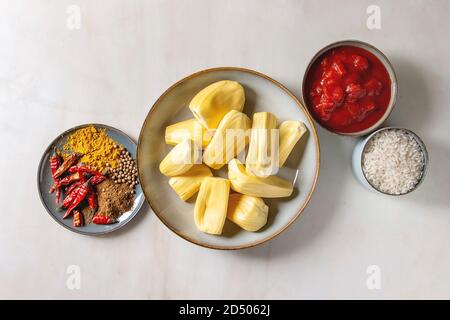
x=384 y=60
x=357 y=160
x=45 y=181
x=262 y=94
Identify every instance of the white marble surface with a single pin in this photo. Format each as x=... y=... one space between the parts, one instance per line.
x=125 y=55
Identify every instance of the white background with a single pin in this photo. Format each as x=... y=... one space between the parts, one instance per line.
x=113 y=69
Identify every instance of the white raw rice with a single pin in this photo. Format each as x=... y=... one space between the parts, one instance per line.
x=393 y=161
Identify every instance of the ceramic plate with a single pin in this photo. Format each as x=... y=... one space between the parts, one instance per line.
x=262 y=94
x=45 y=181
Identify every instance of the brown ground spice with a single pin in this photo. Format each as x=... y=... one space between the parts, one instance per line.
x=114 y=198
x=88 y=214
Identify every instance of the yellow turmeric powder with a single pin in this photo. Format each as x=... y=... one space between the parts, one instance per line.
x=97 y=148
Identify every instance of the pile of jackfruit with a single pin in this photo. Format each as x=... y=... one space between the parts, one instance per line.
x=218 y=135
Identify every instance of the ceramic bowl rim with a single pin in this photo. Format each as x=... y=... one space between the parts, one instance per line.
x=313 y=132
x=386 y=63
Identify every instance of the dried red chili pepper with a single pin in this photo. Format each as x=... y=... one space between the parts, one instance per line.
x=92 y=199
x=77 y=219
x=97 y=179
x=82 y=191
x=67 y=180
x=55 y=162
x=81 y=168
x=57 y=195
x=70 y=198
x=102 y=219
x=74 y=185
x=67 y=164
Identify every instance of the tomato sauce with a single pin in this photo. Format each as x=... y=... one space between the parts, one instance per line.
x=347 y=89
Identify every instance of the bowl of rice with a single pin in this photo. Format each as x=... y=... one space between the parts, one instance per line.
x=391 y=161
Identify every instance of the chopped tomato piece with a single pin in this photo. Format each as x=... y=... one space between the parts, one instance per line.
x=357 y=111
x=373 y=87
x=325 y=62
x=330 y=74
x=324 y=109
x=368 y=105
x=324 y=98
x=340 y=56
x=324 y=115
x=351 y=78
x=339 y=68
x=334 y=93
x=355 y=92
x=360 y=63
x=353 y=109
x=316 y=91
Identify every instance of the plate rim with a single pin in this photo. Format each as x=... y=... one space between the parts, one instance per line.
x=41 y=163
x=299 y=105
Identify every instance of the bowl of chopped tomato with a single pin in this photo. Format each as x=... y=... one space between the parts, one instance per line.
x=349 y=87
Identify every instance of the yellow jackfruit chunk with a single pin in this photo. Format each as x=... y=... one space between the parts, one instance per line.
x=190 y=128
x=262 y=156
x=269 y=187
x=290 y=133
x=228 y=141
x=189 y=182
x=180 y=159
x=250 y=213
x=212 y=103
x=211 y=205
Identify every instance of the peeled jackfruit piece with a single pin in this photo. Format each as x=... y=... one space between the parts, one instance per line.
x=250 y=213
x=212 y=103
x=180 y=159
x=228 y=141
x=290 y=133
x=262 y=156
x=269 y=187
x=192 y=129
x=211 y=205
x=188 y=184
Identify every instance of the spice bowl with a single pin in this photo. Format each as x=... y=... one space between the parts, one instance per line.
x=45 y=182
x=377 y=107
x=362 y=149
